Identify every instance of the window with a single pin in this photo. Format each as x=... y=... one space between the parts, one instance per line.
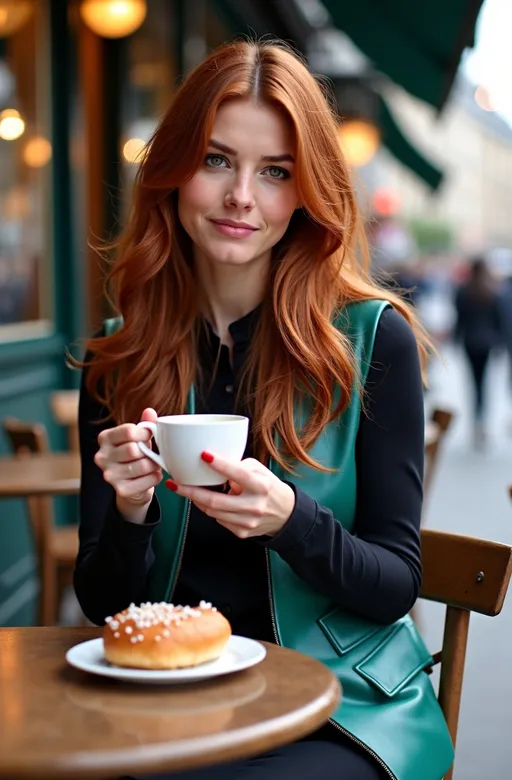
x=25 y=168
x=152 y=74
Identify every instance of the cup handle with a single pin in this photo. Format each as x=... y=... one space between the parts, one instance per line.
x=143 y=447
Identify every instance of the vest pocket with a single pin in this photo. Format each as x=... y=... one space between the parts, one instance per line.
x=346 y=631
x=395 y=655
x=394 y=662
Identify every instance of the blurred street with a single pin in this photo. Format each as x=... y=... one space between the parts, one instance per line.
x=469 y=496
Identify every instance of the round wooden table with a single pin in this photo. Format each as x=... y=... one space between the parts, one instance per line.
x=57 y=722
x=52 y=473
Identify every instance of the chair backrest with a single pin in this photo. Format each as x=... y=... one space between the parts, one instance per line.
x=441 y=419
x=26 y=439
x=64 y=406
x=468 y=575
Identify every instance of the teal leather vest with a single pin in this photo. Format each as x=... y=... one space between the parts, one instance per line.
x=388 y=704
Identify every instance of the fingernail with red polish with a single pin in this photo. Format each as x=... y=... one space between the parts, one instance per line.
x=207 y=457
x=171 y=485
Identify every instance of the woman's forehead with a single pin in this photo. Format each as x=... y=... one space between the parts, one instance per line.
x=244 y=124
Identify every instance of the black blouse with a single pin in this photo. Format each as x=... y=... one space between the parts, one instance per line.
x=374 y=571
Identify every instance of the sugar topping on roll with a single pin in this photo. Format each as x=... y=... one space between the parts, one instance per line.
x=165 y=636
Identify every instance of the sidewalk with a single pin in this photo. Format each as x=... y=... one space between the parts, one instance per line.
x=469 y=496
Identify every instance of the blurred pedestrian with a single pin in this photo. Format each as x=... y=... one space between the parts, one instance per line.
x=480 y=329
x=506 y=311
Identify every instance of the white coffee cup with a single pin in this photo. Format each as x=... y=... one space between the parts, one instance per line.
x=181 y=438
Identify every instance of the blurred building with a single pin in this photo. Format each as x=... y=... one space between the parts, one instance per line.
x=474 y=148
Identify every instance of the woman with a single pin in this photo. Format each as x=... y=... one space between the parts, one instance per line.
x=480 y=328
x=242 y=285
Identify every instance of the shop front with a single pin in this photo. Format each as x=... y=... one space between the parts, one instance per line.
x=79 y=97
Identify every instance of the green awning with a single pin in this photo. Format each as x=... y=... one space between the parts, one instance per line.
x=417 y=44
x=251 y=17
x=232 y=16
x=404 y=151
x=238 y=14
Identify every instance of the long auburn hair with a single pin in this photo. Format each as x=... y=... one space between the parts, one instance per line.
x=319 y=266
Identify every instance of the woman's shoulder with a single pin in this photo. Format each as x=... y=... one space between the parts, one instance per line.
x=395 y=342
x=394 y=328
x=364 y=312
x=389 y=325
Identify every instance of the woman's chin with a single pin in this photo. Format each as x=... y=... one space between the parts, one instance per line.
x=231 y=256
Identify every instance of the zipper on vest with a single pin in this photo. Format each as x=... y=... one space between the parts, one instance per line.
x=364 y=747
x=348 y=734
x=271 y=599
x=182 y=548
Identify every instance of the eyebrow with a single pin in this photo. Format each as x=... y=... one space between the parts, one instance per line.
x=269 y=158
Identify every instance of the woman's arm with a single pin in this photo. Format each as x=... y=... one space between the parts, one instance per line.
x=114 y=555
x=377 y=571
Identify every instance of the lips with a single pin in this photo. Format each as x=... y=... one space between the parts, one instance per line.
x=231 y=229
x=232 y=223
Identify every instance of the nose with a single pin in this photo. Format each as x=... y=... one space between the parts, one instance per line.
x=240 y=194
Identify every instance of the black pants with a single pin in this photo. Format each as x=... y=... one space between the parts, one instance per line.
x=478 y=360
x=309 y=759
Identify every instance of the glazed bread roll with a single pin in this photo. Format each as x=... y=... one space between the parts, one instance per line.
x=162 y=636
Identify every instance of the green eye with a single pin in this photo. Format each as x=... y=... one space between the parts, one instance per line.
x=214 y=160
x=277 y=173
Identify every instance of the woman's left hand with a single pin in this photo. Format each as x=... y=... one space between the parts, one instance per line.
x=258 y=502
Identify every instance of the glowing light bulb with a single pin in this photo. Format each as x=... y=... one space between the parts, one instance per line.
x=133 y=149
x=113 y=18
x=37 y=152
x=359 y=141
x=12 y=126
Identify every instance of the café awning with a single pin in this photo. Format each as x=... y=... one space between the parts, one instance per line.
x=276 y=17
x=417 y=44
x=405 y=151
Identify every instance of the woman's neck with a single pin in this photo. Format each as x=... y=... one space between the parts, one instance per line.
x=229 y=292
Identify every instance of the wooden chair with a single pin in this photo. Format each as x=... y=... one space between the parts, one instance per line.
x=468 y=575
x=440 y=421
x=64 y=406
x=56 y=547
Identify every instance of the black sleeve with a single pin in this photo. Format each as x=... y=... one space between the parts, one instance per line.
x=114 y=555
x=376 y=571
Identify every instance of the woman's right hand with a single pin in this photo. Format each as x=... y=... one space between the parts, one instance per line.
x=132 y=475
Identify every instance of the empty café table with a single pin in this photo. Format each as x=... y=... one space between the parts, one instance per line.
x=57 y=722
x=52 y=473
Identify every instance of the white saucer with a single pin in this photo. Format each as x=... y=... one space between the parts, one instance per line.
x=239 y=653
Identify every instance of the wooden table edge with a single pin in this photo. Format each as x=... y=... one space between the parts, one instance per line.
x=59 y=485
x=69 y=488
x=186 y=754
